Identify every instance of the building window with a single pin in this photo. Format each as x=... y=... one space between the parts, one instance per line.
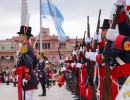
x=45 y=45
x=72 y=46
x=12 y=59
x=53 y=46
x=3 y=48
x=48 y=45
x=3 y=59
x=12 y=48
x=62 y=57
x=54 y=60
x=62 y=45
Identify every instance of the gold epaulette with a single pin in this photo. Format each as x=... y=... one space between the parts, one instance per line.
x=127 y=45
x=26 y=70
x=23 y=49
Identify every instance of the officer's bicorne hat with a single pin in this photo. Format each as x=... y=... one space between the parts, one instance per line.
x=25 y=30
x=106 y=24
x=41 y=54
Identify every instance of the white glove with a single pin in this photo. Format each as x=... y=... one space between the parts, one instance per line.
x=38 y=70
x=112 y=34
x=38 y=79
x=120 y=2
x=93 y=56
x=24 y=82
x=41 y=60
x=81 y=49
x=97 y=37
x=72 y=65
x=74 y=53
x=87 y=39
x=113 y=11
x=40 y=76
x=47 y=62
x=62 y=61
x=87 y=55
x=78 y=65
x=63 y=68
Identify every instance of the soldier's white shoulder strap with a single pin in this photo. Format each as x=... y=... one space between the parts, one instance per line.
x=120 y=61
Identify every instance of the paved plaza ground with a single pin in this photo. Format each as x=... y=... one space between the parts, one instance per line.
x=55 y=93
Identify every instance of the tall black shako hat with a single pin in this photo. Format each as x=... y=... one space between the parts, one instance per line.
x=25 y=30
x=106 y=24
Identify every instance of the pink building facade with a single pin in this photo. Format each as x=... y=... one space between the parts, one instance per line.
x=50 y=44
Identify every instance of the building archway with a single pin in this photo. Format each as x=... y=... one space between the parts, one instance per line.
x=3 y=59
x=12 y=59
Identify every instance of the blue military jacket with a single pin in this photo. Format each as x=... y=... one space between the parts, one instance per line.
x=124 y=29
x=41 y=66
x=29 y=60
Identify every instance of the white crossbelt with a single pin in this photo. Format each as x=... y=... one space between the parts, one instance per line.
x=119 y=61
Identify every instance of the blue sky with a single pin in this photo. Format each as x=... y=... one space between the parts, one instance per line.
x=75 y=14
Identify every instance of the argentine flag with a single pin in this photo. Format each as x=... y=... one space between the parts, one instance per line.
x=48 y=8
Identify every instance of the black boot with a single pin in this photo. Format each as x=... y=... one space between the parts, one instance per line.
x=7 y=82
x=14 y=84
x=43 y=94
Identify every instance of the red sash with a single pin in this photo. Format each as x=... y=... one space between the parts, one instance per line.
x=7 y=75
x=20 y=71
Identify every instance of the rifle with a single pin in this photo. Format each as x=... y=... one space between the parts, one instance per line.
x=107 y=89
x=81 y=45
x=97 y=30
x=75 y=75
x=76 y=43
x=95 y=46
x=75 y=50
x=60 y=56
x=90 y=71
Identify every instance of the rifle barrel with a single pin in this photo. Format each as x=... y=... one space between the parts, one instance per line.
x=107 y=88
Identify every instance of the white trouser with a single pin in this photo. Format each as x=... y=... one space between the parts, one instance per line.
x=28 y=95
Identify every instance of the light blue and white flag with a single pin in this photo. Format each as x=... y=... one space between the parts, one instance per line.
x=48 y=8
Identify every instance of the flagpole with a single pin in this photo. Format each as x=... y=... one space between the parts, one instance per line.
x=40 y=28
